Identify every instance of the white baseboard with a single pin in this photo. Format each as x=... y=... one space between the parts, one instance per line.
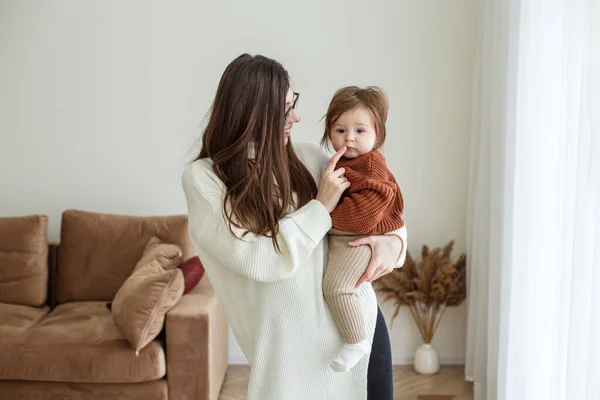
x=237 y=360
x=444 y=360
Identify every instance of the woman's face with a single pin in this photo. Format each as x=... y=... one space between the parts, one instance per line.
x=295 y=117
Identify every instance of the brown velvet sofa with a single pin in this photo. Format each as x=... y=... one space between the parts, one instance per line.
x=58 y=339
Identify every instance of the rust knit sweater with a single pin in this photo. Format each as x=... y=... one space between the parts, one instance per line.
x=373 y=204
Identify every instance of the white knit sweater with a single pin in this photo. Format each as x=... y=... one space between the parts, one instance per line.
x=274 y=301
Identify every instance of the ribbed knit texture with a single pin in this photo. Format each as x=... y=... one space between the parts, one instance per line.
x=274 y=301
x=345 y=266
x=373 y=203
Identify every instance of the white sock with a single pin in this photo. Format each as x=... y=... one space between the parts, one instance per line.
x=350 y=355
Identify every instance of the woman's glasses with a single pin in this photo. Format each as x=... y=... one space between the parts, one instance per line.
x=290 y=111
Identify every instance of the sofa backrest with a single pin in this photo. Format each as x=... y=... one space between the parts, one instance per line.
x=97 y=252
x=24 y=260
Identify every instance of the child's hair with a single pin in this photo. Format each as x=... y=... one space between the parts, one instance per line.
x=373 y=98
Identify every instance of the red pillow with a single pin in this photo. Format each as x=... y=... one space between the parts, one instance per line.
x=193 y=271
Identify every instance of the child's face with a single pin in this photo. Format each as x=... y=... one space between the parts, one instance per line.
x=355 y=130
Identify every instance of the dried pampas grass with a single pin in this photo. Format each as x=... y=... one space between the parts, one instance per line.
x=427 y=287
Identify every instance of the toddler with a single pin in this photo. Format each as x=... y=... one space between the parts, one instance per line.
x=373 y=204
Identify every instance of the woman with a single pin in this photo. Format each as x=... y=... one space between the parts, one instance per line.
x=257 y=220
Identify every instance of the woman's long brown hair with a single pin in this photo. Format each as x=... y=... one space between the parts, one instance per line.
x=247 y=115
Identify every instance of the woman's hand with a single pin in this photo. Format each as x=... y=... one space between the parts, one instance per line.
x=333 y=183
x=385 y=251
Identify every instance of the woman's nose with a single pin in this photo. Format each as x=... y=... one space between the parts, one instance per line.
x=295 y=116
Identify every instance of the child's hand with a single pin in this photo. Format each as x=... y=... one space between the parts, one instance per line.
x=385 y=250
x=333 y=183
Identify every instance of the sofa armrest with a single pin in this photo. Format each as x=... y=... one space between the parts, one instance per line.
x=197 y=345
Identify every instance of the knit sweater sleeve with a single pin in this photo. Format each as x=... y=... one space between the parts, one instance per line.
x=373 y=190
x=359 y=212
x=402 y=233
x=252 y=256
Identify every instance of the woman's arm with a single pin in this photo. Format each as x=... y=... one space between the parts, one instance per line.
x=388 y=250
x=253 y=256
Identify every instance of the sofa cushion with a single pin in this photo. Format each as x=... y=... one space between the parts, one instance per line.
x=24 y=260
x=156 y=285
x=27 y=390
x=193 y=271
x=98 y=251
x=79 y=342
x=167 y=255
x=16 y=323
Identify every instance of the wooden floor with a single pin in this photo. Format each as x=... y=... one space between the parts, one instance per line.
x=408 y=385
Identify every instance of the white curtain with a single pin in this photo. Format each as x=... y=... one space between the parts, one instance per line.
x=534 y=203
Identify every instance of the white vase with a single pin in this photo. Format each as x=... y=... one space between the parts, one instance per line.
x=426 y=360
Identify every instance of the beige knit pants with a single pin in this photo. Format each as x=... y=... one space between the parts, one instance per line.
x=345 y=266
